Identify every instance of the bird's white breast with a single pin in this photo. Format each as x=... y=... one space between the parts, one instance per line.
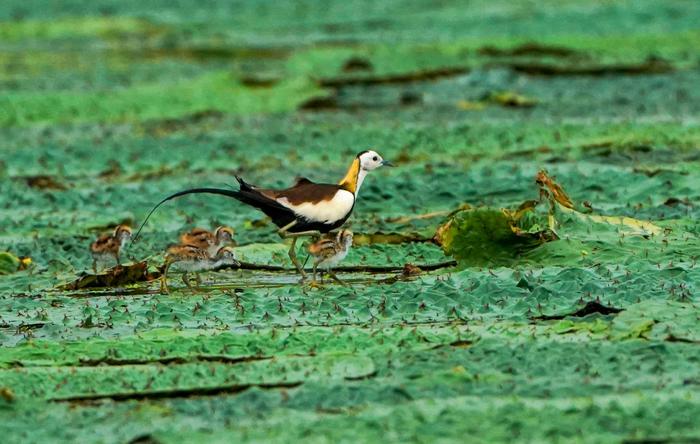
x=335 y=259
x=191 y=265
x=326 y=211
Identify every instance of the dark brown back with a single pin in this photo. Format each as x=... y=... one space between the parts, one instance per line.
x=304 y=191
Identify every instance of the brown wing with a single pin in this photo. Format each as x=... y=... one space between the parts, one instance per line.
x=304 y=191
x=322 y=247
x=104 y=243
x=180 y=252
x=198 y=237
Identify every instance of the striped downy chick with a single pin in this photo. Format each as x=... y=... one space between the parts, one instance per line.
x=212 y=242
x=189 y=258
x=329 y=252
x=109 y=245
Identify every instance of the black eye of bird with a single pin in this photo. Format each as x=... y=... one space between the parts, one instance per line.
x=374 y=158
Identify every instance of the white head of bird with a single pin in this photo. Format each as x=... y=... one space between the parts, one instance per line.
x=365 y=162
x=370 y=160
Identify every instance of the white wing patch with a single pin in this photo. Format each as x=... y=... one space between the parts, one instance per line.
x=326 y=211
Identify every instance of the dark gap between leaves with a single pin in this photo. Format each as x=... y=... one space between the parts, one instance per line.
x=591 y=307
x=178 y=393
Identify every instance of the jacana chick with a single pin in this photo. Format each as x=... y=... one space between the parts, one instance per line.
x=305 y=209
x=212 y=242
x=109 y=246
x=330 y=252
x=189 y=258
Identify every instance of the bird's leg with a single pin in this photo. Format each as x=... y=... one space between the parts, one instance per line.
x=285 y=234
x=283 y=231
x=310 y=233
x=94 y=265
x=164 y=285
x=292 y=249
x=335 y=278
x=314 y=283
x=198 y=279
x=164 y=280
x=295 y=261
x=186 y=281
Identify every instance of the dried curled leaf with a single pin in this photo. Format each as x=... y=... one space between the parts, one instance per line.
x=411 y=270
x=554 y=193
x=44 y=182
x=549 y=188
x=113 y=277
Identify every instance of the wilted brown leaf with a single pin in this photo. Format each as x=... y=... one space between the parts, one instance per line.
x=549 y=189
x=113 y=277
x=411 y=270
x=44 y=182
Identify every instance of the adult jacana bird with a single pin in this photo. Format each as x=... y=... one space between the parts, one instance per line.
x=306 y=208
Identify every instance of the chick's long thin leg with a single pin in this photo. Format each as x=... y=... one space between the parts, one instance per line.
x=94 y=265
x=335 y=278
x=186 y=281
x=315 y=268
x=314 y=283
x=164 y=279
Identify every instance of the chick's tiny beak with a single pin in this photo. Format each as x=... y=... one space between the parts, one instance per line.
x=387 y=163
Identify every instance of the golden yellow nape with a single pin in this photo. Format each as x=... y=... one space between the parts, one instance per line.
x=349 y=182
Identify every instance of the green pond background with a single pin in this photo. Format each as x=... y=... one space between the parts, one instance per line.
x=106 y=107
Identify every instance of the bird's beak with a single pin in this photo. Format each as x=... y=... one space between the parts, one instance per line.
x=387 y=163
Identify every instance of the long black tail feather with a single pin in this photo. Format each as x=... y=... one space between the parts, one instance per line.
x=230 y=193
x=245 y=186
x=279 y=214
